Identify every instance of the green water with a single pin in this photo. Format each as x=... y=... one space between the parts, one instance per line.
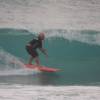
x=79 y=62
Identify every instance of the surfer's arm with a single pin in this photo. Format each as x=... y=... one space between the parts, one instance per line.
x=43 y=51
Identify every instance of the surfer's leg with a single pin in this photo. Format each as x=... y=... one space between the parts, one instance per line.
x=37 y=61
x=33 y=55
x=30 y=51
x=30 y=60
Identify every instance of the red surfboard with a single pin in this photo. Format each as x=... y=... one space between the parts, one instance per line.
x=41 y=68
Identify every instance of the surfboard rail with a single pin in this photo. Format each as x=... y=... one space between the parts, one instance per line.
x=42 y=68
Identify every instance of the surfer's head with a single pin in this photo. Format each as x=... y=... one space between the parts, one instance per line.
x=41 y=36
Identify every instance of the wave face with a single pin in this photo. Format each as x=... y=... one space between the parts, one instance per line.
x=77 y=53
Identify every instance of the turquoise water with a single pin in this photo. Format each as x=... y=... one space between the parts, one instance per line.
x=78 y=60
x=72 y=30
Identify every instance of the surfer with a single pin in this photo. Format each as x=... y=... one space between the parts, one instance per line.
x=32 y=47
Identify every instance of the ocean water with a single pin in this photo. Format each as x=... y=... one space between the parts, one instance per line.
x=72 y=30
x=77 y=58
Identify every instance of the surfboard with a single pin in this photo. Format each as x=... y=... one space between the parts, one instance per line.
x=42 y=68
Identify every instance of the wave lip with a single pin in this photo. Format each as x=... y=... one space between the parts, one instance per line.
x=85 y=36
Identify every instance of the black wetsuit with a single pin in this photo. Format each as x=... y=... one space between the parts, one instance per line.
x=32 y=46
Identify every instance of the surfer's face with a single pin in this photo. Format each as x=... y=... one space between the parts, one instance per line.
x=41 y=36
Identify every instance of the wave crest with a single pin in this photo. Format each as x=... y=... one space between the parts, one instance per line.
x=85 y=36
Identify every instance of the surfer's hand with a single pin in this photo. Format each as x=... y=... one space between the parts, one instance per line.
x=44 y=51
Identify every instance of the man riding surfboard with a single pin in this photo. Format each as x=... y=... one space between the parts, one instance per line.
x=32 y=47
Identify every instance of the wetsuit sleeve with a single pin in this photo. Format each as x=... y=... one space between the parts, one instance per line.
x=32 y=41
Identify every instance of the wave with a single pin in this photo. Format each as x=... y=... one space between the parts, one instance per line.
x=49 y=92
x=14 y=31
x=65 y=53
x=84 y=36
x=11 y=65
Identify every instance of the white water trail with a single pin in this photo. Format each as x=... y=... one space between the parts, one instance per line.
x=11 y=65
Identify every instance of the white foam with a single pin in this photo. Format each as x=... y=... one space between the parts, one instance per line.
x=72 y=35
x=7 y=67
x=17 y=72
x=50 y=14
x=25 y=92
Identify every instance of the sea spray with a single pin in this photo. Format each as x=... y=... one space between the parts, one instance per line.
x=11 y=65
